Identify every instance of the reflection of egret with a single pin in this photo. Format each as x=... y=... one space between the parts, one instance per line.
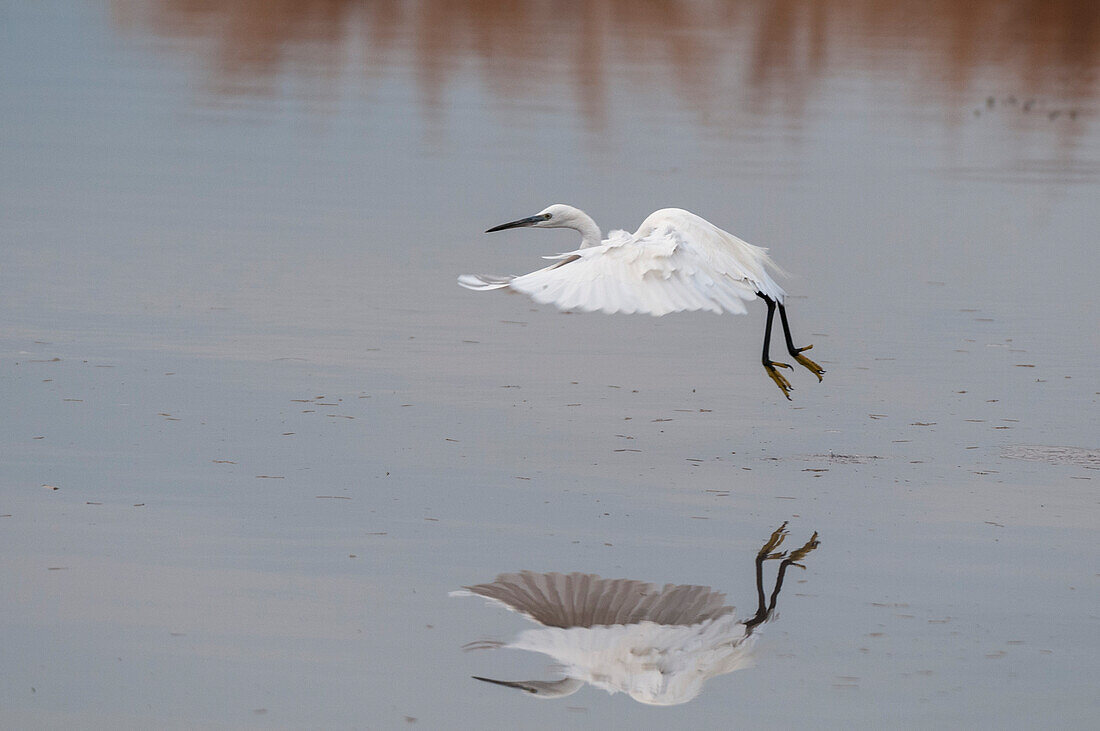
x=659 y=645
x=675 y=262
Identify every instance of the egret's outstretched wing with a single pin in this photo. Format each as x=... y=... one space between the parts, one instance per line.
x=586 y=600
x=720 y=251
x=655 y=275
x=675 y=262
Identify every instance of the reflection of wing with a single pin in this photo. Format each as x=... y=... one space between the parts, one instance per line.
x=653 y=663
x=659 y=645
x=586 y=600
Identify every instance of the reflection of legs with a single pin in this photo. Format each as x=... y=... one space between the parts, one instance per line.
x=765 y=607
x=796 y=353
x=769 y=365
x=766 y=553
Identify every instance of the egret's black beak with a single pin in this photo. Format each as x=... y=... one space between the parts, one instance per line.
x=529 y=221
x=506 y=683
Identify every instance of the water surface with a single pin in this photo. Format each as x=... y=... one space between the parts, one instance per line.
x=253 y=433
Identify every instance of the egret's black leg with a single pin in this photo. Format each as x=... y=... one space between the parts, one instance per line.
x=769 y=365
x=796 y=353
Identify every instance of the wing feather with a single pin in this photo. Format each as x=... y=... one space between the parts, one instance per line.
x=586 y=600
x=483 y=281
x=721 y=251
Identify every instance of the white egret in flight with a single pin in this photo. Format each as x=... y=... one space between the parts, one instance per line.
x=658 y=645
x=675 y=262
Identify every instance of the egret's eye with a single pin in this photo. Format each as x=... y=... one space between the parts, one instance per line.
x=546 y=217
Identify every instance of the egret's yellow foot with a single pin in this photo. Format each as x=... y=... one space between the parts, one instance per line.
x=809 y=364
x=800 y=554
x=766 y=551
x=780 y=380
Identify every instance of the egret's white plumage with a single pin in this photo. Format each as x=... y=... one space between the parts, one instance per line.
x=657 y=644
x=675 y=262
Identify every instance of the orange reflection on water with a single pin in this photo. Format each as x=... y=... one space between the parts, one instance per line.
x=763 y=53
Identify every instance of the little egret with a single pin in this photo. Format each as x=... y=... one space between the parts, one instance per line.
x=676 y=261
x=658 y=645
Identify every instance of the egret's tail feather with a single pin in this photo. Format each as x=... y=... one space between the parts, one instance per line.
x=484 y=281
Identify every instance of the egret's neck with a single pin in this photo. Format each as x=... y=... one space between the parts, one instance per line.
x=590 y=232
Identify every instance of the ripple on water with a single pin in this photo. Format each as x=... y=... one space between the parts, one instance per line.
x=1055 y=455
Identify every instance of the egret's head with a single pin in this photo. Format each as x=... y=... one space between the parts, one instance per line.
x=555 y=216
x=540 y=688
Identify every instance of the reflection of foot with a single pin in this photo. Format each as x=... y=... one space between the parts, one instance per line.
x=766 y=551
x=810 y=365
x=801 y=553
x=784 y=385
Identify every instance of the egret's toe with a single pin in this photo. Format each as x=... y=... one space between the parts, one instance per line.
x=801 y=553
x=767 y=551
x=780 y=380
x=809 y=364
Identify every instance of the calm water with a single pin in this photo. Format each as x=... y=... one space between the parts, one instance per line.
x=253 y=433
